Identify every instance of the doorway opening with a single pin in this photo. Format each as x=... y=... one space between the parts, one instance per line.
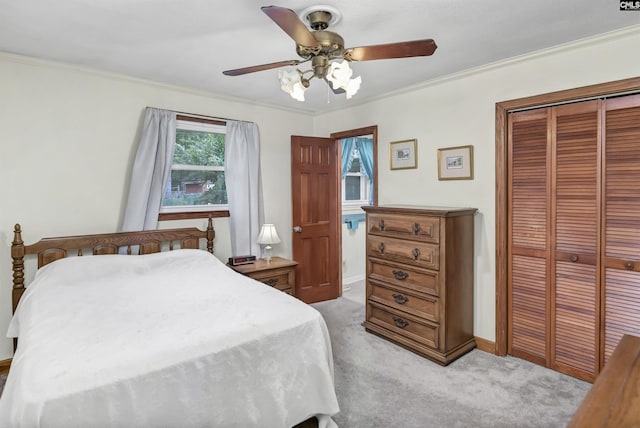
x=358 y=151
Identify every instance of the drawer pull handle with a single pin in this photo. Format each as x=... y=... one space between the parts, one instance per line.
x=381 y=225
x=416 y=253
x=574 y=258
x=271 y=281
x=416 y=229
x=399 y=322
x=400 y=274
x=400 y=298
x=381 y=247
x=629 y=265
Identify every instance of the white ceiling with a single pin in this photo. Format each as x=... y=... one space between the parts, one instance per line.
x=190 y=42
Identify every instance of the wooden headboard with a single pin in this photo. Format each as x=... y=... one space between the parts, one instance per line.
x=149 y=241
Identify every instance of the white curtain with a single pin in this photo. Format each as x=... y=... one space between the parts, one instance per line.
x=244 y=186
x=151 y=170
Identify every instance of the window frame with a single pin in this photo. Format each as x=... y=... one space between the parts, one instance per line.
x=196 y=211
x=354 y=205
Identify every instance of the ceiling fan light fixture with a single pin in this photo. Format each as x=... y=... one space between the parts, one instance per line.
x=339 y=75
x=323 y=48
x=298 y=92
x=352 y=87
x=292 y=83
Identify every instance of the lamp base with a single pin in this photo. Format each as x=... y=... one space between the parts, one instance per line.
x=267 y=253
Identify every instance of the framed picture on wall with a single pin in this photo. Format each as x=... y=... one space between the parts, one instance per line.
x=403 y=154
x=455 y=163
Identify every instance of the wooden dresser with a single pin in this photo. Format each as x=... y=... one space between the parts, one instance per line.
x=420 y=278
x=279 y=273
x=614 y=399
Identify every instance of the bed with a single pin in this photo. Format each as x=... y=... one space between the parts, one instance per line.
x=159 y=339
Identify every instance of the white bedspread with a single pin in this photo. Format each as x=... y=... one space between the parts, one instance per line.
x=174 y=339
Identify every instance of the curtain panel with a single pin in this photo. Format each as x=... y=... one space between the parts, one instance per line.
x=244 y=186
x=365 y=149
x=151 y=170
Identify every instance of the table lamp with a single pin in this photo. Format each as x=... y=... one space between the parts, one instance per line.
x=268 y=235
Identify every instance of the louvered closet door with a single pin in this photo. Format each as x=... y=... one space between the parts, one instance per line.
x=621 y=260
x=528 y=244
x=575 y=213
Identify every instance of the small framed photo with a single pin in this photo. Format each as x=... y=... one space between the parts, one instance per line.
x=404 y=154
x=455 y=163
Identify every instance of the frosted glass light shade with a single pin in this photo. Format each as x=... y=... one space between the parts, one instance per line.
x=291 y=83
x=339 y=75
x=352 y=87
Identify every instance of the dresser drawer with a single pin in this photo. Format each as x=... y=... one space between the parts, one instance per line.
x=403 y=324
x=419 y=228
x=422 y=306
x=416 y=253
x=421 y=280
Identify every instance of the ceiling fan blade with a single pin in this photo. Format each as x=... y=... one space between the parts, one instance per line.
x=253 y=69
x=424 y=47
x=291 y=24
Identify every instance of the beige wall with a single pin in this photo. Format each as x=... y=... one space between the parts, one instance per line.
x=69 y=136
x=460 y=110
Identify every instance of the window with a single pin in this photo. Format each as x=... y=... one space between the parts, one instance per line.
x=356 y=187
x=197 y=180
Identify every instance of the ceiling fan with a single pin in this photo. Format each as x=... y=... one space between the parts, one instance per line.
x=322 y=48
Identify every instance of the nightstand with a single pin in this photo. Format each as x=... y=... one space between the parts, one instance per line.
x=280 y=273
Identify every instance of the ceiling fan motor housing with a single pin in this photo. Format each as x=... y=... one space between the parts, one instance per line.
x=329 y=43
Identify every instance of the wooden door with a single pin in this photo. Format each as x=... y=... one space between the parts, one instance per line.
x=528 y=243
x=575 y=234
x=621 y=258
x=554 y=234
x=315 y=194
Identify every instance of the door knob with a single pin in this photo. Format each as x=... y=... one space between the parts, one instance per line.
x=297 y=229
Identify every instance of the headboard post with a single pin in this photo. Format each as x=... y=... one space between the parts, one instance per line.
x=210 y=235
x=17 y=254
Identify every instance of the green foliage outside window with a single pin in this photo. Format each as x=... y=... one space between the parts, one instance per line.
x=194 y=186
x=198 y=148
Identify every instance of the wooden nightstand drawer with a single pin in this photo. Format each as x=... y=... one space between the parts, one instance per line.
x=277 y=278
x=279 y=273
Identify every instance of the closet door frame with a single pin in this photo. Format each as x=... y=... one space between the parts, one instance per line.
x=502 y=109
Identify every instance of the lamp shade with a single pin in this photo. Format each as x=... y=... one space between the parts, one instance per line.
x=268 y=235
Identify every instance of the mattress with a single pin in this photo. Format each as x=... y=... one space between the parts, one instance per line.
x=173 y=339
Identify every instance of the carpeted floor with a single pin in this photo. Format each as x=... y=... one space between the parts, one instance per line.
x=383 y=385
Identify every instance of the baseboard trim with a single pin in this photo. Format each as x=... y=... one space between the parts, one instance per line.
x=5 y=365
x=486 y=345
x=351 y=279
